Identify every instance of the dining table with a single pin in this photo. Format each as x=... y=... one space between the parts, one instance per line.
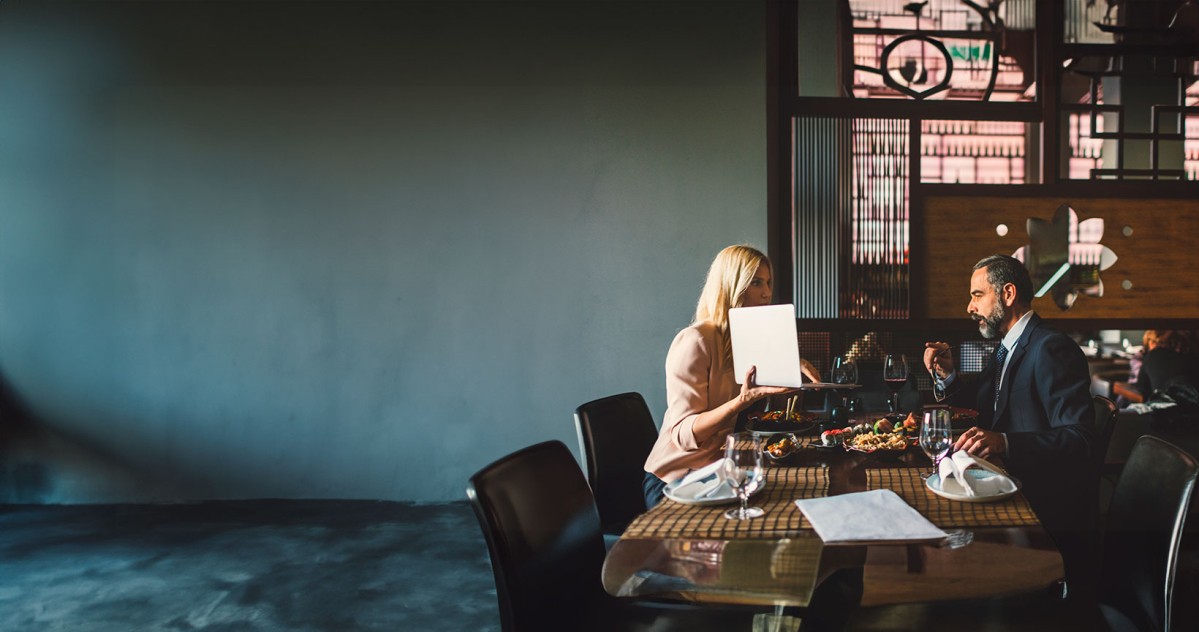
x=691 y=552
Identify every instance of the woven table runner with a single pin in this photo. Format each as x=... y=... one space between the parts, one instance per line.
x=784 y=485
x=1012 y=512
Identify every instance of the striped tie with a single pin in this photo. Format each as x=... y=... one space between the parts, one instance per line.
x=1000 y=356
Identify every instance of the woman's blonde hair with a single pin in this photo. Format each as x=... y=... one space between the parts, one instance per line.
x=729 y=277
x=1178 y=340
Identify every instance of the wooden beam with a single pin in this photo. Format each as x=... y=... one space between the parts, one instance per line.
x=782 y=84
x=1050 y=28
x=904 y=108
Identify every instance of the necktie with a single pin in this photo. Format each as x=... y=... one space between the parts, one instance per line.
x=1000 y=356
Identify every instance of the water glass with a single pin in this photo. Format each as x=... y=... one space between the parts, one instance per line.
x=743 y=470
x=844 y=371
x=935 y=436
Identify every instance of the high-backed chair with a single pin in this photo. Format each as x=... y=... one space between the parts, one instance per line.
x=1142 y=536
x=542 y=531
x=1105 y=424
x=616 y=434
x=1139 y=555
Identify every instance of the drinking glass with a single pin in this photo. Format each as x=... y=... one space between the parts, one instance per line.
x=895 y=375
x=844 y=371
x=743 y=469
x=935 y=437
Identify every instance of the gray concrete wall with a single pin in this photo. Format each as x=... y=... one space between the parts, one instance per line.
x=354 y=249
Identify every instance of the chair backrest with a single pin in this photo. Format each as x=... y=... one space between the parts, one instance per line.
x=1105 y=424
x=1143 y=532
x=542 y=531
x=616 y=435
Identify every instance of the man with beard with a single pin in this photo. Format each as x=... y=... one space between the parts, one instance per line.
x=1035 y=411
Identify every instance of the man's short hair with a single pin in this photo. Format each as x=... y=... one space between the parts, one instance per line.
x=1001 y=270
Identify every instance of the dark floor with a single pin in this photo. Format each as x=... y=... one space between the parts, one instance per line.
x=251 y=565
x=320 y=565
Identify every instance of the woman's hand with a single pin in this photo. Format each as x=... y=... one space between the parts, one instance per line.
x=809 y=370
x=751 y=392
x=722 y=419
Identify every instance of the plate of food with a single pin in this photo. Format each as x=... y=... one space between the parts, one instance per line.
x=835 y=438
x=962 y=414
x=879 y=444
x=900 y=423
x=774 y=421
x=780 y=446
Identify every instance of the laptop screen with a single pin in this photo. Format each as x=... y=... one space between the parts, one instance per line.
x=765 y=337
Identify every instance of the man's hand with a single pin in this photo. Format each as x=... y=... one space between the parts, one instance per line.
x=938 y=359
x=981 y=443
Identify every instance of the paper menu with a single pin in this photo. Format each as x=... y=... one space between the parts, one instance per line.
x=878 y=515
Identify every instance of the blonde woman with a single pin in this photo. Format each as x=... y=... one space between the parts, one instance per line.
x=703 y=398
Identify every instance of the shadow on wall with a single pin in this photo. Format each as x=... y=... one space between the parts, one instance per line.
x=40 y=466
x=22 y=479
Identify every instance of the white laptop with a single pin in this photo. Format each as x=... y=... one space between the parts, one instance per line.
x=765 y=337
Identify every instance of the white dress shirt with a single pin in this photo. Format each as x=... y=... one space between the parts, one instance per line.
x=1009 y=341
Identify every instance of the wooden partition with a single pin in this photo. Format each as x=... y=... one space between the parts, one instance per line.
x=1159 y=258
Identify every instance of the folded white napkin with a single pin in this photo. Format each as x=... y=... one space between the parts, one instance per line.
x=873 y=516
x=706 y=482
x=715 y=467
x=956 y=477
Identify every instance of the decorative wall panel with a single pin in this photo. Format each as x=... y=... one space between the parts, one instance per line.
x=1156 y=274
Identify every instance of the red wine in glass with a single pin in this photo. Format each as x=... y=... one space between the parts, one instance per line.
x=895 y=385
x=895 y=375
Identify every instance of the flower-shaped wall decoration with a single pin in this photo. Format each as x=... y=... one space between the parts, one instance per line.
x=1064 y=256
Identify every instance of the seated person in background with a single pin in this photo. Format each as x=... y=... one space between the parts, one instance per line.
x=1127 y=394
x=1035 y=411
x=1169 y=355
x=702 y=396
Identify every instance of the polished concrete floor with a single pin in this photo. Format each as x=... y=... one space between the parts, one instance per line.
x=340 y=566
x=253 y=566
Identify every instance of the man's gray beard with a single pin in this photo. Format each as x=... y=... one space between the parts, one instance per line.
x=989 y=325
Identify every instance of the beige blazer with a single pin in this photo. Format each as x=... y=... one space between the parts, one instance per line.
x=698 y=379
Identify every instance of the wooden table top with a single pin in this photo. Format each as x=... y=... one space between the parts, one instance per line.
x=684 y=551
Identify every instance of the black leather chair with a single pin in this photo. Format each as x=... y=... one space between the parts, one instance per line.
x=616 y=434
x=1142 y=536
x=542 y=530
x=1105 y=424
x=1140 y=552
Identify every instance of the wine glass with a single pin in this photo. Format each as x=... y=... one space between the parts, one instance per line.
x=895 y=375
x=743 y=469
x=844 y=371
x=935 y=437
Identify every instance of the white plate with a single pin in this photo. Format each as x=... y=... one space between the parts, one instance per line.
x=723 y=499
x=956 y=493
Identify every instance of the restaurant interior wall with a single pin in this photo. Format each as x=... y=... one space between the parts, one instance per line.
x=352 y=250
x=854 y=179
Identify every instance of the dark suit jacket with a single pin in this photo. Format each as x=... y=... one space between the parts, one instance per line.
x=1046 y=410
